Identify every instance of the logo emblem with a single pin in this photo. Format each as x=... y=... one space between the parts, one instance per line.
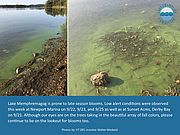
x=167 y=12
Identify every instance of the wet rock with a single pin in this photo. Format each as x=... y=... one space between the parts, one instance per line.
x=100 y=79
x=5 y=51
x=18 y=70
x=158 y=63
x=177 y=81
x=35 y=55
x=146 y=93
x=153 y=28
x=142 y=12
x=172 y=91
x=40 y=60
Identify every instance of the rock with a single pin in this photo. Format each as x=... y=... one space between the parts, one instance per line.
x=146 y=93
x=100 y=79
x=158 y=63
x=19 y=70
x=142 y=12
x=5 y=51
x=35 y=55
x=40 y=60
x=177 y=81
x=158 y=37
x=57 y=33
x=153 y=28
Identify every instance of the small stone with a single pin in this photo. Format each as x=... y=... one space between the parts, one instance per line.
x=155 y=52
x=158 y=37
x=158 y=63
x=18 y=70
x=136 y=55
x=146 y=93
x=100 y=79
x=40 y=60
x=123 y=50
x=35 y=55
x=152 y=27
x=142 y=12
x=5 y=51
x=177 y=81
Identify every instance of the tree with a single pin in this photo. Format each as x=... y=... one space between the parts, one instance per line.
x=56 y=3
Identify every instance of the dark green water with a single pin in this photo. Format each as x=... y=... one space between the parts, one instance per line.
x=22 y=32
x=89 y=20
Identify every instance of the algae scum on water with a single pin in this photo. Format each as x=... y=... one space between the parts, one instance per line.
x=153 y=60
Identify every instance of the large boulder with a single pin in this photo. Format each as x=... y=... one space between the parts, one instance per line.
x=100 y=79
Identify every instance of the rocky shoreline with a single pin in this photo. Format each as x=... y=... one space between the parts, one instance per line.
x=44 y=75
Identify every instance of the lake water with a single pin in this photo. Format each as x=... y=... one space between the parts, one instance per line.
x=22 y=32
x=89 y=20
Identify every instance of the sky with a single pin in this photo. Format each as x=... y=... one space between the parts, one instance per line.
x=4 y=2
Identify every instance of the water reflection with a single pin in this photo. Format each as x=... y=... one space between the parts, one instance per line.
x=56 y=11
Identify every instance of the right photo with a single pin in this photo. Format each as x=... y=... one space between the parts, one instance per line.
x=124 y=48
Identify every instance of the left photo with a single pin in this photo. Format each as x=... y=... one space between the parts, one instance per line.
x=33 y=48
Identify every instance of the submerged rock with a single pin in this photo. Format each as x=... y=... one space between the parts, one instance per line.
x=5 y=51
x=100 y=79
x=142 y=12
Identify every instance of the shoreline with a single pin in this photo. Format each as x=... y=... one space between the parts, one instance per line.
x=45 y=74
x=30 y=44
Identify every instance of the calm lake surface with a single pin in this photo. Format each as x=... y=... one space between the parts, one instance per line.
x=89 y=20
x=22 y=32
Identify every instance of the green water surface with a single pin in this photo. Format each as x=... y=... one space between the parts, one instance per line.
x=88 y=57
x=23 y=32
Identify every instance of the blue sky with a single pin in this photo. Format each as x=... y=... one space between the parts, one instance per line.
x=4 y=2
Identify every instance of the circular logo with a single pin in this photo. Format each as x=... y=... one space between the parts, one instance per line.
x=167 y=12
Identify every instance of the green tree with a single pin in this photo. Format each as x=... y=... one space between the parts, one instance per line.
x=56 y=7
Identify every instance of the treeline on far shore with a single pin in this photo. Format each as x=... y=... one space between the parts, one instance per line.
x=56 y=7
x=49 y=4
x=56 y=4
x=23 y=6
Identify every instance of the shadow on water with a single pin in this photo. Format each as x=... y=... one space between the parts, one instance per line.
x=115 y=81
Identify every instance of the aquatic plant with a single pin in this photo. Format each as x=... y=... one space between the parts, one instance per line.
x=130 y=43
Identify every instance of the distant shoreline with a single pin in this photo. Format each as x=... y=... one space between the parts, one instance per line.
x=23 y=6
x=38 y=6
